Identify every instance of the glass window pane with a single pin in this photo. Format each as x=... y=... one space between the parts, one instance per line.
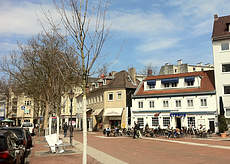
x=226 y=89
x=225 y=67
x=224 y=46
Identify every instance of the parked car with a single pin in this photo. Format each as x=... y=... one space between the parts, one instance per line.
x=22 y=139
x=10 y=150
x=28 y=125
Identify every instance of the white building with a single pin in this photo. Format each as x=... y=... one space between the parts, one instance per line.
x=178 y=100
x=221 y=54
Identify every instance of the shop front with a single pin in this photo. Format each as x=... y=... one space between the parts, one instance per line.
x=113 y=117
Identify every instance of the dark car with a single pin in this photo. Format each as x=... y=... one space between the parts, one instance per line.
x=10 y=151
x=21 y=134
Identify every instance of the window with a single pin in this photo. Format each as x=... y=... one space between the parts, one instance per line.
x=166 y=121
x=151 y=104
x=224 y=46
x=166 y=85
x=178 y=103
x=203 y=102
x=225 y=67
x=165 y=103
x=174 y=84
x=151 y=86
x=190 y=83
x=190 y=103
x=191 y=121
x=155 y=121
x=118 y=95
x=140 y=121
x=228 y=112
x=110 y=97
x=175 y=70
x=226 y=89
x=140 y=104
x=194 y=69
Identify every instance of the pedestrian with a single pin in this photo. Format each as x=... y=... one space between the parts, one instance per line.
x=65 y=128
x=135 y=130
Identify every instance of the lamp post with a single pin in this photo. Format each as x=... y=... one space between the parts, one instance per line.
x=71 y=95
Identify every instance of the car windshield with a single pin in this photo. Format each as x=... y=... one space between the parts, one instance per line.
x=3 y=145
x=18 y=132
x=27 y=125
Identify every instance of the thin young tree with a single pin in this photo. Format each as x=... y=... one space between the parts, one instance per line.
x=85 y=23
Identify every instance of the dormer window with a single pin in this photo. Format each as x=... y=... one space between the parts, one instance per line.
x=189 y=80
x=172 y=81
x=151 y=83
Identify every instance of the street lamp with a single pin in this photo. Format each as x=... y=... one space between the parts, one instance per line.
x=71 y=95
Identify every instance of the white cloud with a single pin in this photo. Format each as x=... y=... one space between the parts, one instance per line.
x=137 y=22
x=21 y=18
x=6 y=46
x=157 y=44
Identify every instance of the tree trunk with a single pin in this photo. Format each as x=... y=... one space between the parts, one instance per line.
x=46 y=115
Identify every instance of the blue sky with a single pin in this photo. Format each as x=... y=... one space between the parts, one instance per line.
x=141 y=32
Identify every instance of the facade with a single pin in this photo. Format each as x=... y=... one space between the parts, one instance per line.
x=109 y=101
x=183 y=68
x=65 y=107
x=3 y=106
x=21 y=108
x=177 y=100
x=221 y=54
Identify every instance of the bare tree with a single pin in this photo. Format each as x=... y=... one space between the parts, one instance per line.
x=85 y=24
x=39 y=70
x=149 y=69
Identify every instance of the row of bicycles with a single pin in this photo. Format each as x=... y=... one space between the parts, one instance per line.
x=169 y=133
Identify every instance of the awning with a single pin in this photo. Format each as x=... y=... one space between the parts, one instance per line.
x=88 y=109
x=171 y=80
x=97 y=112
x=151 y=82
x=189 y=79
x=113 y=111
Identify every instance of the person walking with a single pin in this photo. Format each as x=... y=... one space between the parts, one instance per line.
x=135 y=130
x=65 y=128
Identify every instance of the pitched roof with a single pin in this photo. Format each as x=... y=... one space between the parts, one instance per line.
x=122 y=79
x=207 y=84
x=220 y=28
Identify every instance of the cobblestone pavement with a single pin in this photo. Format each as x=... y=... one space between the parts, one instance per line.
x=151 y=150
x=136 y=151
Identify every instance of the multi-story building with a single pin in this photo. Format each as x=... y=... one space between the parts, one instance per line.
x=221 y=54
x=178 y=100
x=3 y=106
x=183 y=68
x=21 y=108
x=109 y=100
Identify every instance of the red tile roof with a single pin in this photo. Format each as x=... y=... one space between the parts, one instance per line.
x=207 y=84
x=220 y=29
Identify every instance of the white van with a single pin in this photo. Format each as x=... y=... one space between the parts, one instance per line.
x=28 y=125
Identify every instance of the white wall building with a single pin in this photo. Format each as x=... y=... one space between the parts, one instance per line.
x=178 y=100
x=221 y=54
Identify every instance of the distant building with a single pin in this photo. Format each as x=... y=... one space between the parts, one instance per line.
x=109 y=100
x=3 y=104
x=183 y=68
x=176 y=100
x=221 y=54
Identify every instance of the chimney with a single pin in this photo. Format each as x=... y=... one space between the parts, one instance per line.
x=132 y=72
x=215 y=17
x=166 y=63
x=150 y=72
x=179 y=62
